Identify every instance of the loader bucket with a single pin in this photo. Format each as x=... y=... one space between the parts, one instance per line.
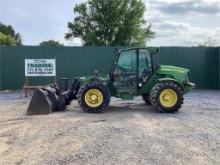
x=52 y=98
x=45 y=100
x=40 y=103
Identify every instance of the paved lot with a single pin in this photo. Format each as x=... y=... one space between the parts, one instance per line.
x=127 y=133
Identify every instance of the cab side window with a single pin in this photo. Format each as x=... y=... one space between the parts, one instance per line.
x=144 y=62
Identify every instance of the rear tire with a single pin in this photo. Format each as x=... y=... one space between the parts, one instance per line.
x=146 y=98
x=167 y=97
x=93 y=97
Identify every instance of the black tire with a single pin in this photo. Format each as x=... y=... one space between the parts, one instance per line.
x=155 y=96
x=93 y=85
x=146 y=98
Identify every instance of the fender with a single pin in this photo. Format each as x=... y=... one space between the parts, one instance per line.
x=167 y=79
x=170 y=79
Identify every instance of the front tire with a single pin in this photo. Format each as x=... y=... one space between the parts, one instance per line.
x=167 y=97
x=93 y=97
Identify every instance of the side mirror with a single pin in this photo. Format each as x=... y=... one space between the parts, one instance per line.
x=157 y=50
x=154 y=50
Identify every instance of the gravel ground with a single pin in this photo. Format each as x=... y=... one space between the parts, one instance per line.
x=127 y=133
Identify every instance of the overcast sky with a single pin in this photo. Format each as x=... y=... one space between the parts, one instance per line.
x=175 y=22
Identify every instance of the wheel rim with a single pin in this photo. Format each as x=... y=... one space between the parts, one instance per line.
x=168 y=98
x=93 y=98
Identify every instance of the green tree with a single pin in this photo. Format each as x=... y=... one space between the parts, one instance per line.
x=9 y=31
x=6 y=40
x=110 y=23
x=209 y=42
x=51 y=43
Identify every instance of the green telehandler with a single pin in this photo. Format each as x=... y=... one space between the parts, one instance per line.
x=133 y=73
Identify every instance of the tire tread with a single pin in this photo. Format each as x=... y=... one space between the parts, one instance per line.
x=102 y=88
x=154 y=94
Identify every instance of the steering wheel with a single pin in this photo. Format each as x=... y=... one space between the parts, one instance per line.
x=146 y=72
x=121 y=68
x=125 y=71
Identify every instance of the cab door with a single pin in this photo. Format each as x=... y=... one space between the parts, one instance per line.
x=125 y=73
x=144 y=66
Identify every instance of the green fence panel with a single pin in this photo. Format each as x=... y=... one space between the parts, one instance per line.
x=219 y=67
x=0 y=67
x=71 y=62
x=201 y=61
x=204 y=63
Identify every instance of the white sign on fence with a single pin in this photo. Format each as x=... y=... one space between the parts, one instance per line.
x=40 y=67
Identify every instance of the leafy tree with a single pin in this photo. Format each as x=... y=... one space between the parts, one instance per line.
x=9 y=31
x=110 y=23
x=6 y=40
x=51 y=43
x=209 y=42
